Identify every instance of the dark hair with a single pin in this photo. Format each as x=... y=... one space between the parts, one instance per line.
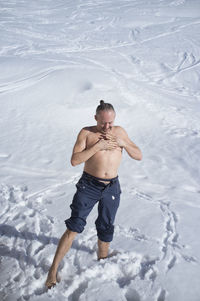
x=104 y=107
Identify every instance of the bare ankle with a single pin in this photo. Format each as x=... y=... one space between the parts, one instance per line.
x=53 y=270
x=103 y=248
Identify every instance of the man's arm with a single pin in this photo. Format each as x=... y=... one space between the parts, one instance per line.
x=124 y=141
x=81 y=154
x=131 y=148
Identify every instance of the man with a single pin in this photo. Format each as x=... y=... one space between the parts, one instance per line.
x=100 y=148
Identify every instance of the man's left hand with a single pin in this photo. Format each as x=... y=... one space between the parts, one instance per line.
x=114 y=138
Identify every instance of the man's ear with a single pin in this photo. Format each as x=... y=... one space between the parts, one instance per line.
x=95 y=117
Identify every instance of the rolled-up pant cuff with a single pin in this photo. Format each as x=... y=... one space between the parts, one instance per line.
x=106 y=235
x=105 y=238
x=74 y=225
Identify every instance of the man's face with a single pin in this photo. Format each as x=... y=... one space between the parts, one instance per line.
x=105 y=120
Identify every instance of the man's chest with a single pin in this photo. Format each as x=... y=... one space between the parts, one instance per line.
x=92 y=138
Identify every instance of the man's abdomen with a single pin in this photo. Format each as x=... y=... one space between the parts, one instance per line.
x=104 y=164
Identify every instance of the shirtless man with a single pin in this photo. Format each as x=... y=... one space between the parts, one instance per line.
x=100 y=148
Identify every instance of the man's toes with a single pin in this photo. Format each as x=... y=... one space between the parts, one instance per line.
x=50 y=285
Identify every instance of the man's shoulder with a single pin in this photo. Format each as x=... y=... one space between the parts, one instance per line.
x=119 y=130
x=118 y=127
x=87 y=130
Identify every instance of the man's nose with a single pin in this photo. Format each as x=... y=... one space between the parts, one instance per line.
x=107 y=126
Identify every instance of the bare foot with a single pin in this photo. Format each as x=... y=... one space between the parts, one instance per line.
x=52 y=278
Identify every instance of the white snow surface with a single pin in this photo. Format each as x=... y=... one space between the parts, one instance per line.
x=58 y=58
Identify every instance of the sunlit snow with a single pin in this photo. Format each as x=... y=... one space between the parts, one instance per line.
x=58 y=58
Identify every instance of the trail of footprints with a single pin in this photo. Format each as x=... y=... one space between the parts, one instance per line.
x=25 y=232
x=28 y=239
x=171 y=248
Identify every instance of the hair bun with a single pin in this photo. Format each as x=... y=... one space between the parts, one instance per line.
x=104 y=106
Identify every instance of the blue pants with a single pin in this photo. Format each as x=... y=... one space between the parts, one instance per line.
x=89 y=192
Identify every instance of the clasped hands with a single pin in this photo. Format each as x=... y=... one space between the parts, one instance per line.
x=108 y=141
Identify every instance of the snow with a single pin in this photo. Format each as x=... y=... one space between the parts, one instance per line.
x=58 y=58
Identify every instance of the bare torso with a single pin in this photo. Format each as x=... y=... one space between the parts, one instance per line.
x=104 y=164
